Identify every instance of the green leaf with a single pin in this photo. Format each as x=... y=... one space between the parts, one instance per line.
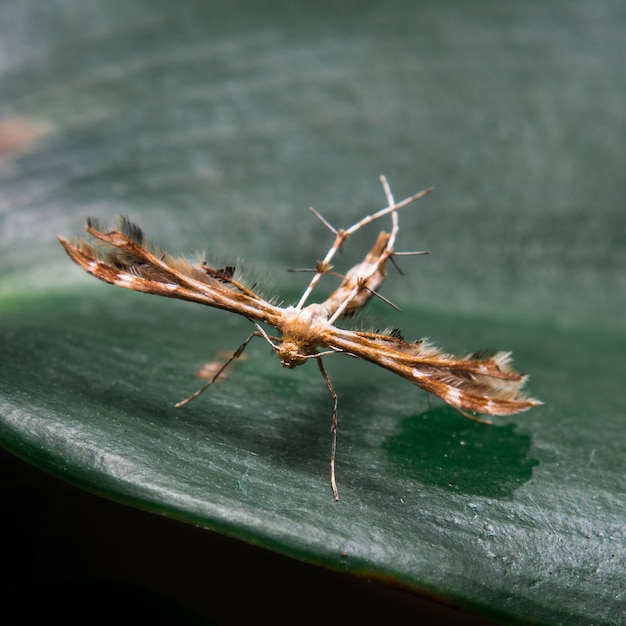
x=428 y=499
x=215 y=127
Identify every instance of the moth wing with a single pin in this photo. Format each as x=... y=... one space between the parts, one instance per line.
x=483 y=383
x=123 y=257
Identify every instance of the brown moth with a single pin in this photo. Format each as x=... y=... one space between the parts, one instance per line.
x=479 y=383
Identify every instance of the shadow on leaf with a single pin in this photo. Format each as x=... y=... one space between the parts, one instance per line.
x=440 y=447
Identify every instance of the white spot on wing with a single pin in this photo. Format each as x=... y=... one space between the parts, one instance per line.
x=453 y=396
x=125 y=280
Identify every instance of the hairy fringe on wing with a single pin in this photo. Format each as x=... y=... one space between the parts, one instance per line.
x=481 y=382
x=124 y=261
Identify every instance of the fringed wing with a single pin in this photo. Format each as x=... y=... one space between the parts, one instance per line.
x=480 y=382
x=122 y=256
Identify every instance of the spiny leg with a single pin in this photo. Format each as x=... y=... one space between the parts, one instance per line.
x=333 y=429
x=236 y=354
x=341 y=235
x=394 y=214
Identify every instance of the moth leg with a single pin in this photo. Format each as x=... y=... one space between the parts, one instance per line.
x=236 y=354
x=474 y=418
x=333 y=429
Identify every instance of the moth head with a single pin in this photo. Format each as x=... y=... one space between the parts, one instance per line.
x=290 y=354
